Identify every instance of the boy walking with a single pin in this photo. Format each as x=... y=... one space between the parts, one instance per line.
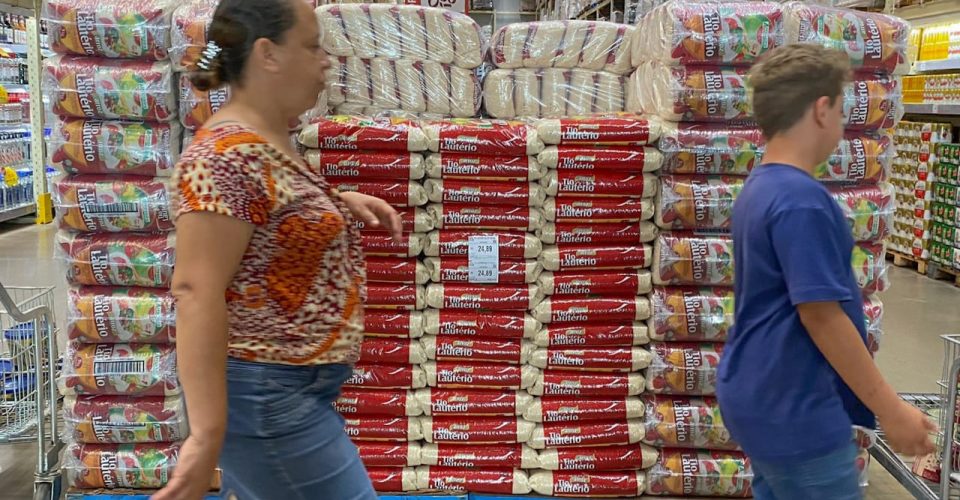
x=795 y=374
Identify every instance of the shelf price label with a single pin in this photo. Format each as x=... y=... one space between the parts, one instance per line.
x=483 y=258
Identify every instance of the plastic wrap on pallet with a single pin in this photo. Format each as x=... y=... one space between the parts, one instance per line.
x=571 y=183
x=685 y=422
x=393 y=479
x=197 y=106
x=99 y=203
x=120 y=315
x=702 y=473
x=375 y=454
x=404 y=85
x=868 y=210
x=412 y=220
x=551 y=409
x=871 y=40
x=383 y=245
x=473 y=429
x=592 y=45
x=691 y=314
x=381 y=376
x=119 y=259
x=552 y=92
x=395 y=296
x=708 y=32
x=486 y=192
x=488 y=137
x=457 y=270
x=407 y=270
x=388 y=429
x=597 y=210
x=459 y=217
x=719 y=94
x=480 y=297
x=83 y=87
x=124 y=419
x=392 y=351
x=112 y=466
x=120 y=370
x=688 y=259
x=696 y=202
x=710 y=149
x=78 y=146
x=579 y=434
x=136 y=29
x=401 y=32
x=188 y=36
x=575 y=257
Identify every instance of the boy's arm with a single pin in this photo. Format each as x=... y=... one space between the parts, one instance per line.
x=816 y=265
x=835 y=336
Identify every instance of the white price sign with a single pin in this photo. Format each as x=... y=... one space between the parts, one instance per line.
x=483 y=256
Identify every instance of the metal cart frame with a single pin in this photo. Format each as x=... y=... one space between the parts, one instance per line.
x=943 y=408
x=29 y=408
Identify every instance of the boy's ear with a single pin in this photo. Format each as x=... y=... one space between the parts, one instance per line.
x=821 y=110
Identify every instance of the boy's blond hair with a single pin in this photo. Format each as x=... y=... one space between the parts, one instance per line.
x=789 y=79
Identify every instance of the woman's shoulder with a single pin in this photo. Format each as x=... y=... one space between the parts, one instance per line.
x=225 y=143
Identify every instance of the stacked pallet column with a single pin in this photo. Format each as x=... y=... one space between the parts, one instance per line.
x=709 y=147
x=116 y=140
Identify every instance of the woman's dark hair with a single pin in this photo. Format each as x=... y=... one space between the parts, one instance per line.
x=236 y=25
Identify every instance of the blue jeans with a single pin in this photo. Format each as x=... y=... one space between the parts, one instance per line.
x=833 y=476
x=284 y=439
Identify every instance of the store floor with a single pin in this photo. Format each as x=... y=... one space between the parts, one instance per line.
x=918 y=311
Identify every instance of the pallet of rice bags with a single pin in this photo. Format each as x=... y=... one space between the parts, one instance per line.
x=384 y=402
x=467 y=323
x=445 y=402
x=594 y=45
x=517 y=456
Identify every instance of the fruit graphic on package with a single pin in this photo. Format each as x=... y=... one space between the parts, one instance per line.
x=113 y=466
x=79 y=146
x=110 y=314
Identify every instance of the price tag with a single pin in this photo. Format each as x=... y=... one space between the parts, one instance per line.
x=483 y=256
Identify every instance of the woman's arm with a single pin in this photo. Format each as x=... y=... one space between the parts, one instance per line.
x=209 y=250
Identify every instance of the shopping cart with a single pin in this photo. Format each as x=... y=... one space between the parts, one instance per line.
x=943 y=408
x=28 y=354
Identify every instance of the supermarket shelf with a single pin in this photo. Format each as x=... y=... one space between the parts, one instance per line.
x=932 y=109
x=927 y=10
x=17 y=212
x=941 y=65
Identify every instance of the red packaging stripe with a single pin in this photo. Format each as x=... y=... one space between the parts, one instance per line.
x=383 y=454
x=487 y=193
x=618 y=359
x=592 y=309
x=381 y=376
x=387 y=403
x=491 y=138
x=394 y=193
x=493 y=351
x=386 y=479
x=598 y=210
x=576 y=183
x=572 y=257
x=478 y=216
x=596 y=484
x=601 y=458
x=467 y=402
x=380 y=350
x=390 y=295
x=479 y=455
x=383 y=244
x=564 y=409
x=604 y=131
x=469 y=166
x=378 y=429
x=392 y=270
x=469 y=429
x=502 y=324
x=366 y=164
x=593 y=335
x=563 y=434
x=624 y=233
x=492 y=376
x=585 y=159
x=497 y=481
x=625 y=283
x=389 y=323
x=501 y=298
x=356 y=134
x=558 y=383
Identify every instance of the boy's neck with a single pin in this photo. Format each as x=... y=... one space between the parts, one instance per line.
x=787 y=149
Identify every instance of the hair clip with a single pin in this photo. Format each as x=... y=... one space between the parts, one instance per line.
x=208 y=55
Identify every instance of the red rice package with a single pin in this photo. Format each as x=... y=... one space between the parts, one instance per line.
x=394 y=296
x=452 y=374
x=588 y=159
x=509 y=193
x=386 y=323
x=694 y=202
x=566 y=257
x=83 y=87
x=564 y=183
x=626 y=484
x=599 y=458
x=479 y=455
x=116 y=30
x=464 y=323
x=472 y=217
x=120 y=370
x=197 y=106
x=397 y=193
x=445 y=402
x=612 y=359
x=397 y=270
x=577 y=434
x=123 y=419
x=121 y=259
x=624 y=334
x=457 y=270
x=494 y=481
x=120 y=315
x=354 y=133
x=680 y=422
x=626 y=283
x=384 y=402
x=597 y=210
x=392 y=429
x=383 y=245
x=511 y=245
x=391 y=351
x=587 y=233
x=489 y=137
x=367 y=165
x=684 y=368
x=585 y=384
x=386 y=377
x=476 y=430
x=555 y=409
x=701 y=473
x=483 y=167
x=691 y=314
x=499 y=298
x=81 y=146
x=449 y=348
x=393 y=479
x=412 y=219
x=376 y=454
x=97 y=203
x=592 y=309
x=594 y=130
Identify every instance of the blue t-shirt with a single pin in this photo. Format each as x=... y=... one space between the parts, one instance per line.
x=780 y=398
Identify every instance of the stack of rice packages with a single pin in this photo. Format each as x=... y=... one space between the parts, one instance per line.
x=695 y=80
x=116 y=140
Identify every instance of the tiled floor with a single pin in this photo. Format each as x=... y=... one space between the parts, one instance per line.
x=918 y=310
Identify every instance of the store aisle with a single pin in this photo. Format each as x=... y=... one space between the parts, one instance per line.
x=918 y=311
